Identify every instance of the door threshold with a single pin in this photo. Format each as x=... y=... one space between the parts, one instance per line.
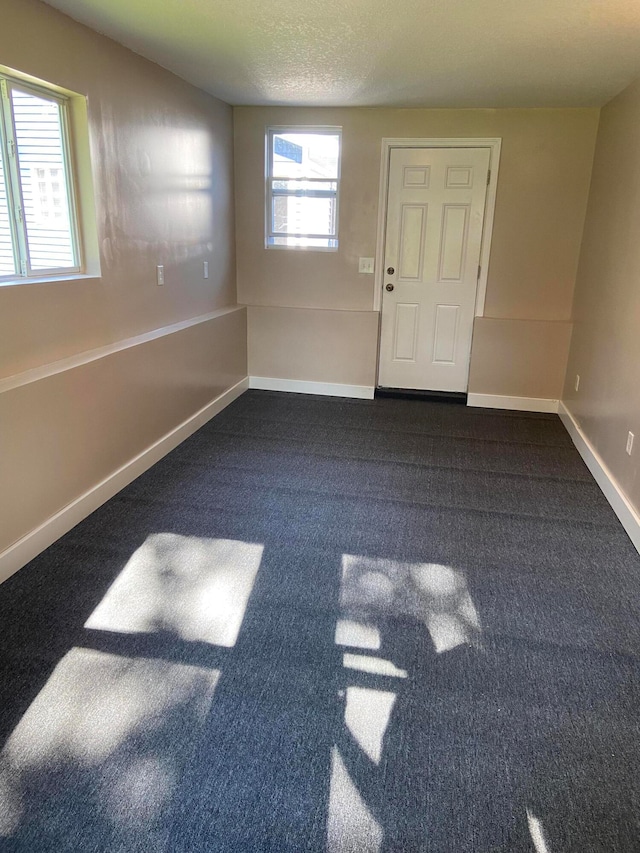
x=458 y=397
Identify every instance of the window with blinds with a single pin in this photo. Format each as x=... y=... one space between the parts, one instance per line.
x=38 y=223
x=303 y=177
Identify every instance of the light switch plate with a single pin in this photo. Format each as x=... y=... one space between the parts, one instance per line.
x=366 y=265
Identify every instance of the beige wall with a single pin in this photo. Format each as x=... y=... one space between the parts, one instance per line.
x=326 y=343
x=542 y=193
x=161 y=153
x=537 y=357
x=605 y=347
x=163 y=173
x=68 y=432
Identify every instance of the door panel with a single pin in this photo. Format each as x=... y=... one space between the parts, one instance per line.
x=412 y=241
x=406 y=332
x=453 y=242
x=435 y=211
x=459 y=177
x=445 y=336
x=415 y=176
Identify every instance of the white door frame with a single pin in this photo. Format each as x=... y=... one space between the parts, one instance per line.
x=494 y=144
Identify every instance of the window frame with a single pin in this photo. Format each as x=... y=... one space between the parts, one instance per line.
x=24 y=273
x=270 y=234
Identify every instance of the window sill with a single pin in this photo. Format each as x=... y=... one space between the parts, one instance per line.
x=50 y=279
x=270 y=246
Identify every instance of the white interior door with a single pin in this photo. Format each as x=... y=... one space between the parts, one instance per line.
x=435 y=211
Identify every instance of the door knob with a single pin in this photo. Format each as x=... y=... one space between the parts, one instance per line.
x=389 y=287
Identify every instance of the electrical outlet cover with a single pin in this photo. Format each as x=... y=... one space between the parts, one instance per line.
x=365 y=265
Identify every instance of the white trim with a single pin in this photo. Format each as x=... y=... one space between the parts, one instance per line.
x=494 y=144
x=620 y=503
x=50 y=279
x=298 y=386
x=516 y=404
x=88 y=356
x=25 y=549
x=13 y=179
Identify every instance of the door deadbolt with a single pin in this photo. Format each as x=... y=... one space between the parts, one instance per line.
x=389 y=287
x=390 y=270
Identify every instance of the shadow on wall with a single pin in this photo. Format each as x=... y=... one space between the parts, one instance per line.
x=232 y=695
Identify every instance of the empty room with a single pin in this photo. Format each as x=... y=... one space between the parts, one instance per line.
x=319 y=427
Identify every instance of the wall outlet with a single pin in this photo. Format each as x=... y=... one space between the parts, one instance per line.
x=160 y=274
x=205 y=269
x=630 y=438
x=577 y=381
x=366 y=265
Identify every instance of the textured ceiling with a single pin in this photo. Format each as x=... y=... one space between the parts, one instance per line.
x=431 y=53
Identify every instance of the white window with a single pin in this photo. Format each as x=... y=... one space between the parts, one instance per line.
x=38 y=221
x=303 y=177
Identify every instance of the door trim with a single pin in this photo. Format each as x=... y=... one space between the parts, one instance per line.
x=494 y=144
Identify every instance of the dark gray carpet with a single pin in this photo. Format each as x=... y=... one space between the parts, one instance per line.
x=328 y=625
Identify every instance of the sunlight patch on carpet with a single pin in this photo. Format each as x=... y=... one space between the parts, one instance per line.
x=351 y=828
x=106 y=735
x=377 y=589
x=195 y=588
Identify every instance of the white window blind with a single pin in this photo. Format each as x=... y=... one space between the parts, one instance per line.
x=38 y=231
x=7 y=261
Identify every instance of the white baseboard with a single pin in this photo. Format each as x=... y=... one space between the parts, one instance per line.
x=326 y=389
x=623 y=508
x=517 y=404
x=25 y=549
